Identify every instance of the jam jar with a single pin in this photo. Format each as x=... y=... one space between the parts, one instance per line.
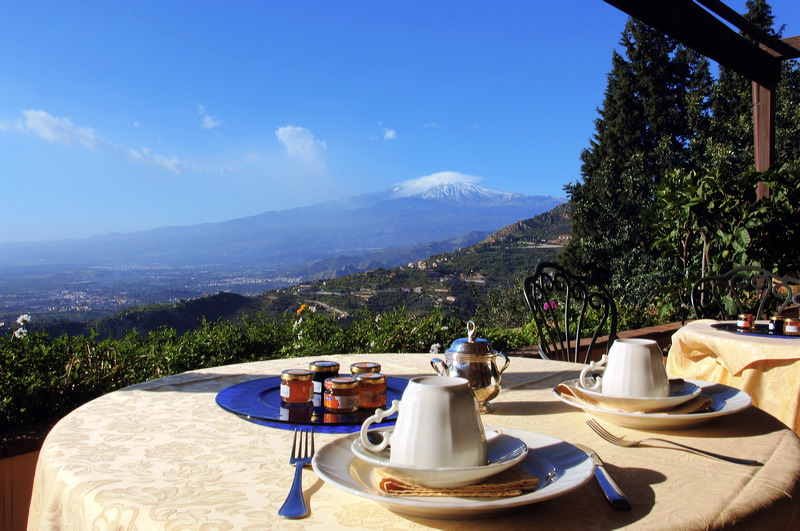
x=341 y=395
x=371 y=390
x=322 y=371
x=364 y=367
x=746 y=321
x=791 y=326
x=296 y=386
x=775 y=325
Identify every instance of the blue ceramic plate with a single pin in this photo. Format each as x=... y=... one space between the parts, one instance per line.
x=259 y=401
x=759 y=330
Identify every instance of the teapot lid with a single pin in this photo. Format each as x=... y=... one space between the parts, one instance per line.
x=470 y=344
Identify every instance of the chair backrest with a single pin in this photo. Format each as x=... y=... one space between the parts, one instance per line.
x=745 y=289
x=566 y=307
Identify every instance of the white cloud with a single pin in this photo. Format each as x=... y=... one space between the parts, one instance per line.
x=148 y=158
x=300 y=143
x=431 y=125
x=423 y=184
x=388 y=134
x=62 y=131
x=209 y=122
x=59 y=130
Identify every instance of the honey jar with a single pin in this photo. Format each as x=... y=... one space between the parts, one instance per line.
x=296 y=386
x=322 y=371
x=746 y=321
x=371 y=390
x=364 y=367
x=791 y=326
x=341 y=395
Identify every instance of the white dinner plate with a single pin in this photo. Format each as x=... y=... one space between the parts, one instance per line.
x=678 y=395
x=725 y=401
x=504 y=451
x=336 y=464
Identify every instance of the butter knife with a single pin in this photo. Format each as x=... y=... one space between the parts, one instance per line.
x=615 y=496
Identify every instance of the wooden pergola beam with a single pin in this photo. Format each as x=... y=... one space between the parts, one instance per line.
x=698 y=29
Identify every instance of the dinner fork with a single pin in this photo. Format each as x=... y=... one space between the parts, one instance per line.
x=302 y=452
x=620 y=441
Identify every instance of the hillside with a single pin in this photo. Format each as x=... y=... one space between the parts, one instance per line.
x=455 y=281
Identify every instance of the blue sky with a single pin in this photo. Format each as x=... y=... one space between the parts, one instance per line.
x=126 y=116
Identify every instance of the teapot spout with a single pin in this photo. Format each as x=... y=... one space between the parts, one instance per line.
x=439 y=366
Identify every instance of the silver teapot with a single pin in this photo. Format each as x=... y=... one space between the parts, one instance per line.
x=473 y=359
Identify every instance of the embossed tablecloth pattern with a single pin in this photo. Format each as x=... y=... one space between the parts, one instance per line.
x=163 y=455
x=767 y=368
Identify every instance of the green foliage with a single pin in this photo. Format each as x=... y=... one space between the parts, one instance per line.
x=43 y=378
x=709 y=222
x=655 y=105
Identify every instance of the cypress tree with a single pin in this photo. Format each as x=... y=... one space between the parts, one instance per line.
x=655 y=102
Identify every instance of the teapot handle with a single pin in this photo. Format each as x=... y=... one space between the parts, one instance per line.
x=439 y=366
x=505 y=365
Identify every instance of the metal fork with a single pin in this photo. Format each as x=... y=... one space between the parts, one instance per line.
x=620 y=441
x=302 y=452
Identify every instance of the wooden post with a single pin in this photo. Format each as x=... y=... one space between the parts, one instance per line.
x=763 y=132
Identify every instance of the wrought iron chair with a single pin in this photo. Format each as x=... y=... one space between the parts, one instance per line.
x=559 y=302
x=745 y=289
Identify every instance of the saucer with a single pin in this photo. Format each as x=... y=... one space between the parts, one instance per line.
x=504 y=451
x=336 y=464
x=678 y=394
x=725 y=401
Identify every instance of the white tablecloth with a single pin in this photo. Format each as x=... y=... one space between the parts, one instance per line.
x=163 y=455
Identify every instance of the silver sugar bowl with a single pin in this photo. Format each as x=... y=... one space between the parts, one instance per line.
x=472 y=358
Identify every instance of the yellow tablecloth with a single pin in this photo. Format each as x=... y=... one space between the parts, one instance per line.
x=163 y=455
x=767 y=368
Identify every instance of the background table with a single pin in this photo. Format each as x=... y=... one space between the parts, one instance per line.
x=163 y=455
x=767 y=368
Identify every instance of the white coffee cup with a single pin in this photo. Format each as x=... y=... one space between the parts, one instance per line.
x=438 y=425
x=633 y=368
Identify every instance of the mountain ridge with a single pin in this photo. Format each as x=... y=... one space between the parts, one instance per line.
x=289 y=239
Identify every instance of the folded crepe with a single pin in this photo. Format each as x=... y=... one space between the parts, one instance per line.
x=695 y=405
x=511 y=482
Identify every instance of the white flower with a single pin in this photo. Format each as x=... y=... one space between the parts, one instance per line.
x=435 y=348
x=19 y=333
x=22 y=319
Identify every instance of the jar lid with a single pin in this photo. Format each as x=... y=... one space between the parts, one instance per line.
x=340 y=382
x=296 y=374
x=364 y=367
x=324 y=366
x=471 y=344
x=371 y=378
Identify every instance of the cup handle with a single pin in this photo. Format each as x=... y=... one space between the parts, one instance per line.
x=593 y=366
x=378 y=416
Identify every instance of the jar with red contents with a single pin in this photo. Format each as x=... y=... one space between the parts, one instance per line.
x=296 y=386
x=371 y=390
x=363 y=367
x=341 y=395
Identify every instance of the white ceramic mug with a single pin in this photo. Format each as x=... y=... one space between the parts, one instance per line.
x=633 y=368
x=438 y=425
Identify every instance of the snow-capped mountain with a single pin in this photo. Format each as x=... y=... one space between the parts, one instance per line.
x=289 y=239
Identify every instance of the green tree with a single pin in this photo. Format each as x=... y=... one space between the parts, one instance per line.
x=731 y=138
x=654 y=113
